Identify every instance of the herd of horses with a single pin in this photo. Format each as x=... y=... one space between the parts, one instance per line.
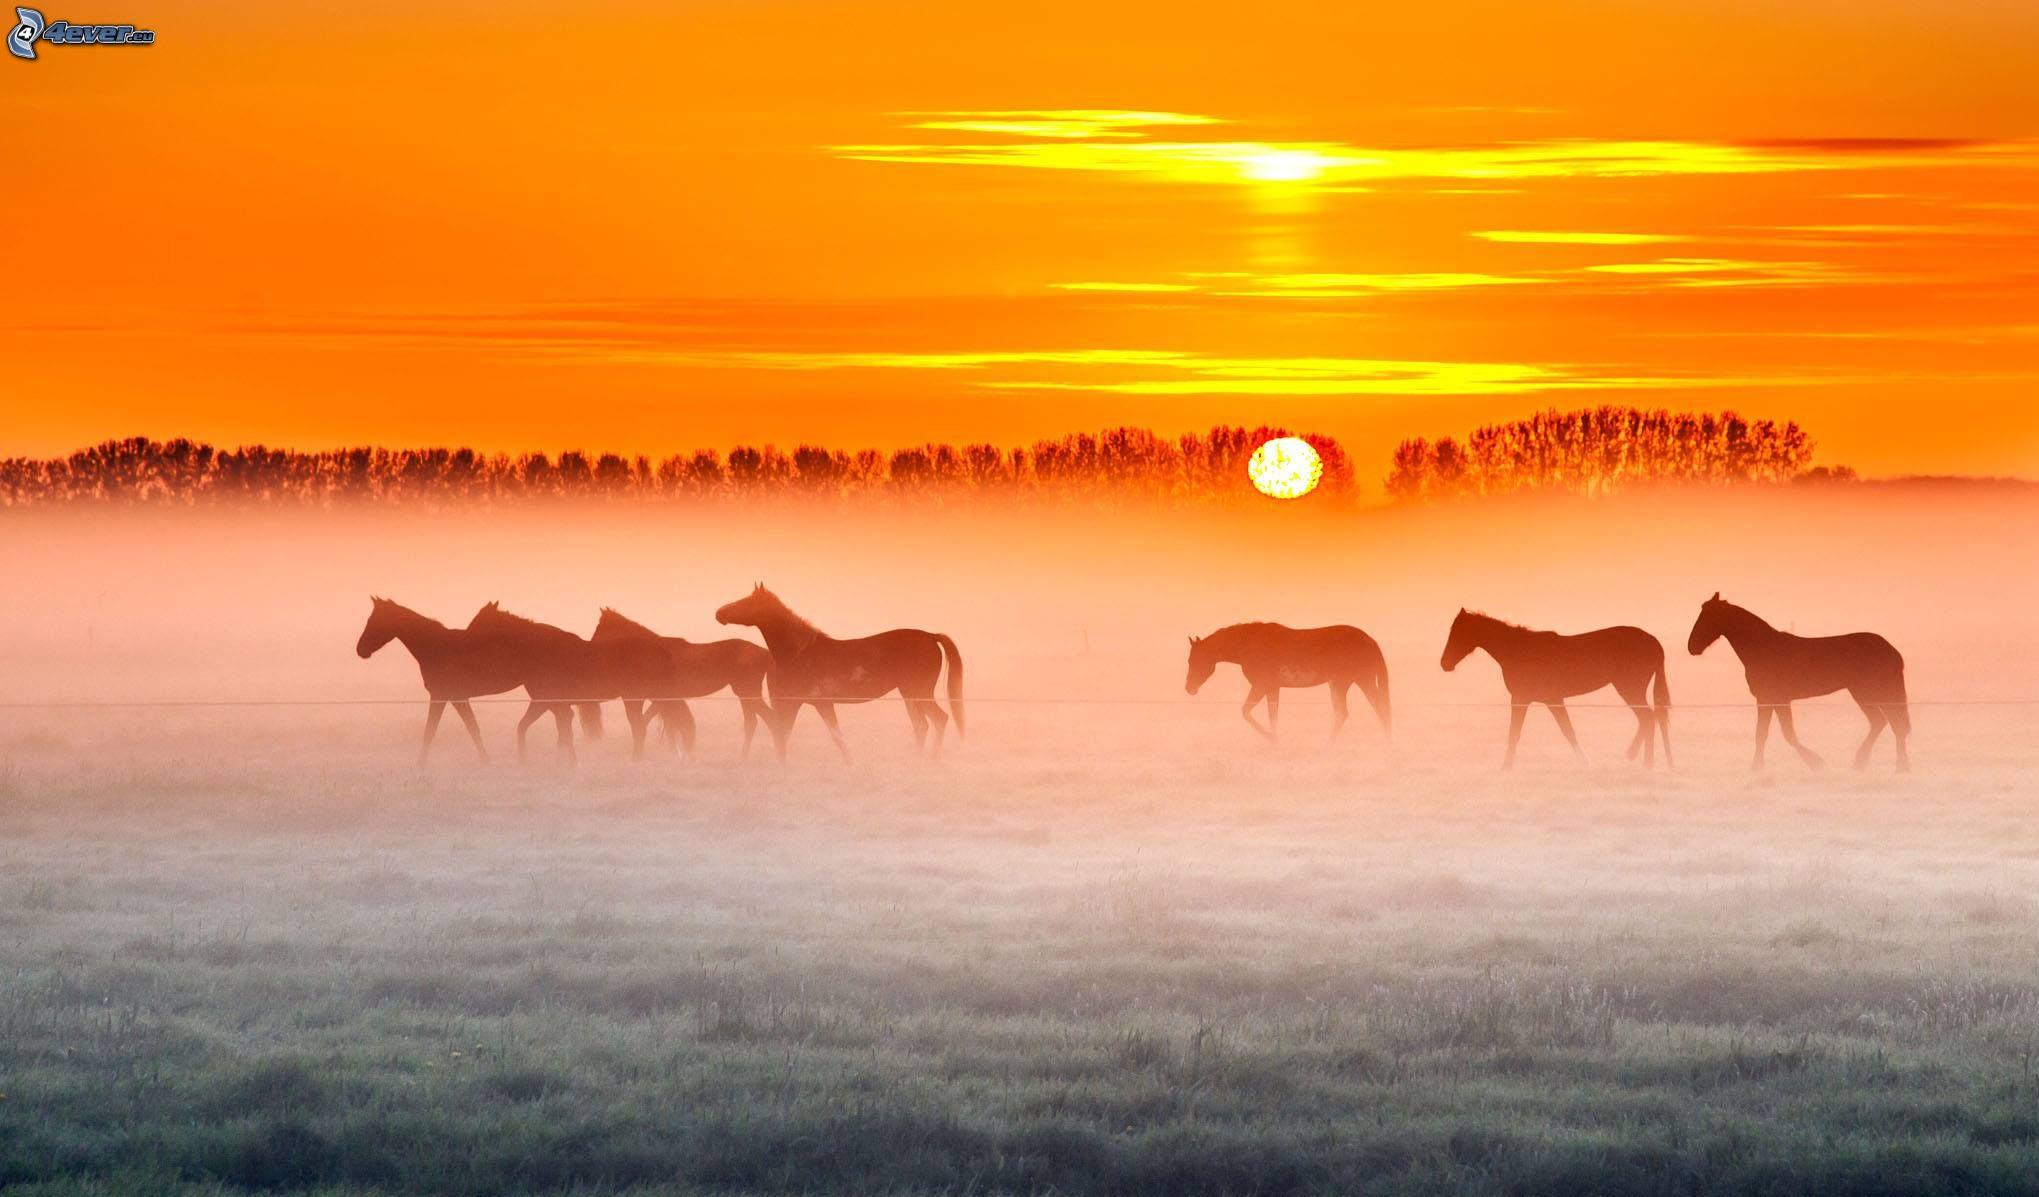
x=799 y=665
x=654 y=675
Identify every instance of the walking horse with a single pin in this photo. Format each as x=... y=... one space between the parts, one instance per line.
x=1544 y=667
x=1273 y=656
x=813 y=668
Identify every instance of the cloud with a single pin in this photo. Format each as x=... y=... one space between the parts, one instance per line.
x=1073 y=123
x=1141 y=287
x=1167 y=372
x=1122 y=143
x=1239 y=284
x=1734 y=272
x=1552 y=237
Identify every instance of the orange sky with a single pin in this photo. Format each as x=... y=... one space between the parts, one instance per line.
x=651 y=227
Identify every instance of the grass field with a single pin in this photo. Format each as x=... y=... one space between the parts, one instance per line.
x=258 y=952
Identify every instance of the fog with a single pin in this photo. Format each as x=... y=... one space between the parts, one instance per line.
x=1047 y=602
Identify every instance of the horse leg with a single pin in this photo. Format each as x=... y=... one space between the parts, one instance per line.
x=633 y=713
x=919 y=721
x=1785 y=725
x=466 y=713
x=562 y=714
x=780 y=724
x=1645 y=724
x=432 y=714
x=1900 y=715
x=1564 y=718
x=1517 y=712
x=531 y=714
x=750 y=707
x=827 y=712
x=1877 y=722
x=1764 y=712
x=1337 y=707
x=939 y=718
x=1253 y=698
x=1273 y=714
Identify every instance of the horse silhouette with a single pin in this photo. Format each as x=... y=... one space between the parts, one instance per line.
x=1782 y=667
x=560 y=671
x=1273 y=656
x=813 y=668
x=694 y=671
x=1548 y=668
x=454 y=664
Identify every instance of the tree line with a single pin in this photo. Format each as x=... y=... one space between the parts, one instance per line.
x=1602 y=450
x=1591 y=452
x=1119 y=462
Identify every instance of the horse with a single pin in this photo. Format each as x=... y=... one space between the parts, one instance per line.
x=454 y=664
x=696 y=670
x=560 y=671
x=1548 y=668
x=1273 y=656
x=812 y=667
x=1782 y=667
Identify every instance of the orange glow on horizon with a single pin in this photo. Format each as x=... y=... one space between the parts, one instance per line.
x=763 y=223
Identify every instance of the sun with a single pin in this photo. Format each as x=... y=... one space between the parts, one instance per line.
x=1285 y=468
x=1283 y=166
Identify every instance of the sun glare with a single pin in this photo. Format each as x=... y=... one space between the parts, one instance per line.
x=1286 y=467
x=1283 y=166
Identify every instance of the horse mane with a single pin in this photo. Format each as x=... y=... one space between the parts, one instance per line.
x=1736 y=611
x=1250 y=625
x=400 y=609
x=493 y=615
x=799 y=624
x=1497 y=621
x=616 y=621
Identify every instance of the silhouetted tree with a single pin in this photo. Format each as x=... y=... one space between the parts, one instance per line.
x=1601 y=450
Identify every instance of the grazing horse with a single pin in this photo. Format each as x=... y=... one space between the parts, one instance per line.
x=812 y=667
x=1782 y=667
x=695 y=670
x=1273 y=656
x=1548 y=668
x=559 y=670
x=455 y=664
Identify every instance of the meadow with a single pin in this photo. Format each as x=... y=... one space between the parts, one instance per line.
x=1097 y=949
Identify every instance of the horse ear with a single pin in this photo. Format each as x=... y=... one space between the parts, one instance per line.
x=1715 y=598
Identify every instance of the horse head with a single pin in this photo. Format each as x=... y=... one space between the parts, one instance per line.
x=1463 y=640
x=380 y=629
x=1711 y=624
x=759 y=604
x=1203 y=662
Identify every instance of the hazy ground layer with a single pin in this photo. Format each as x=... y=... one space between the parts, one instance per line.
x=1112 y=948
x=1196 y=968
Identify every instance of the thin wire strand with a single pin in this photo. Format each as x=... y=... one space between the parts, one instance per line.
x=1017 y=700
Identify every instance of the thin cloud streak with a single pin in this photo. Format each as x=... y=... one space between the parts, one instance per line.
x=1117 y=142
x=1167 y=372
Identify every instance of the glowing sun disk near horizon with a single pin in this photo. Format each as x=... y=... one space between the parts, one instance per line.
x=1284 y=166
x=1286 y=467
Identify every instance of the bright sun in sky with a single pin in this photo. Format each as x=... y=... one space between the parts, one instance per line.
x=1286 y=467
x=1283 y=166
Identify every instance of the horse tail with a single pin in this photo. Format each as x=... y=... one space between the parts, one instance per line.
x=955 y=660
x=591 y=720
x=1900 y=712
x=1382 y=705
x=1663 y=704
